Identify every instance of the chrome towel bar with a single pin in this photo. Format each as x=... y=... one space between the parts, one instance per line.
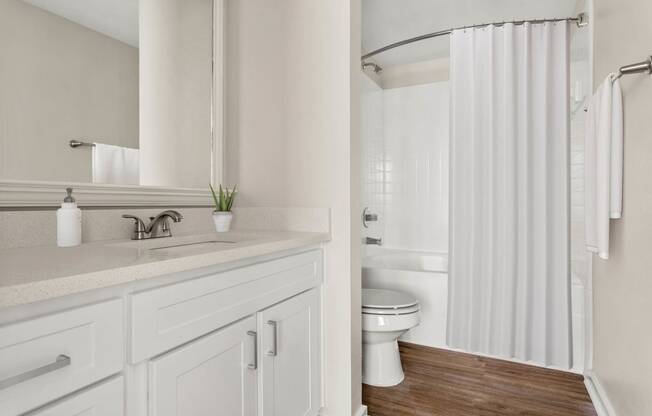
x=76 y=143
x=645 y=66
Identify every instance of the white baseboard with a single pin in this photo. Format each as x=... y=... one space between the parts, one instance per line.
x=598 y=395
x=362 y=411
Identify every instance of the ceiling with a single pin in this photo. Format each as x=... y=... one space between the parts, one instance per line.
x=389 y=21
x=115 y=18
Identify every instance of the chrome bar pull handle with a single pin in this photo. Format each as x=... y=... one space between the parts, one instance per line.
x=254 y=363
x=272 y=352
x=60 y=362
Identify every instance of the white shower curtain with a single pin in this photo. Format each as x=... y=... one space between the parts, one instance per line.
x=509 y=290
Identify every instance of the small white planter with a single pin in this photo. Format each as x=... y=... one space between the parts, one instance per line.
x=222 y=220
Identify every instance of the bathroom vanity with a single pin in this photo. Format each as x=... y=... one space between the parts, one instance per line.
x=227 y=324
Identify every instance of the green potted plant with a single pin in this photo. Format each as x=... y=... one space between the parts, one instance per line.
x=222 y=215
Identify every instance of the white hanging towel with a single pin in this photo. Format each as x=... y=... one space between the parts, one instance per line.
x=115 y=165
x=604 y=164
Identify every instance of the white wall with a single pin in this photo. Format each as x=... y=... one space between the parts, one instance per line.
x=291 y=131
x=622 y=285
x=175 y=92
x=61 y=81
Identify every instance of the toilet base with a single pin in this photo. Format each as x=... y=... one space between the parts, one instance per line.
x=381 y=364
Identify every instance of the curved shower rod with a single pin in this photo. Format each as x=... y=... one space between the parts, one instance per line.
x=581 y=20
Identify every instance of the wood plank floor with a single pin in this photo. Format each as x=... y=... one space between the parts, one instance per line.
x=445 y=383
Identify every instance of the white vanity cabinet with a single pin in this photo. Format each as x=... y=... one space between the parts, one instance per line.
x=233 y=340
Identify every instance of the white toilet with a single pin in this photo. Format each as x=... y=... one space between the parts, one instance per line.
x=386 y=315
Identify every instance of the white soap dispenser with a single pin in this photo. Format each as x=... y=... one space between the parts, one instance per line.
x=69 y=222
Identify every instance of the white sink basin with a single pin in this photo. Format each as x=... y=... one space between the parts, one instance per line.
x=198 y=241
x=194 y=243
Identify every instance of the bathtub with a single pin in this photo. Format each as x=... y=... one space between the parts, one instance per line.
x=421 y=274
x=415 y=261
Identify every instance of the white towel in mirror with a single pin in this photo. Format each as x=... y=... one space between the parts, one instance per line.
x=604 y=164
x=115 y=165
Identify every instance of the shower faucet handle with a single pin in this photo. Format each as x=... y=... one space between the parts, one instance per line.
x=367 y=216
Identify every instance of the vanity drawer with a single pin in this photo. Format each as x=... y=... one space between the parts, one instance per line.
x=105 y=399
x=167 y=317
x=48 y=357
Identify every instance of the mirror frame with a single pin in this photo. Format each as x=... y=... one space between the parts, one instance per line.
x=33 y=194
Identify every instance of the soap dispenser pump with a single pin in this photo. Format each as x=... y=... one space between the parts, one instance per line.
x=69 y=222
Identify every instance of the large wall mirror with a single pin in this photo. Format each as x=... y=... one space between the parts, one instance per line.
x=115 y=94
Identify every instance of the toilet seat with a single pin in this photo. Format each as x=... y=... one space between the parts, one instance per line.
x=388 y=311
x=388 y=302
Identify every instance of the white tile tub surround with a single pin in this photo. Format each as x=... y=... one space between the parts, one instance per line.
x=373 y=155
x=580 y=78
x=31 y=228
x=405 y=164
x=416 y=120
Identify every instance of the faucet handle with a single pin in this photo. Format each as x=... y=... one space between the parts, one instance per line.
x=165 y=226
x=139 y=227
x=368 y=216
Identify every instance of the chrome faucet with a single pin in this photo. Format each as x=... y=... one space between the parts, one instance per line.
x=158 y=226
x=368 y=216
x=376 y=241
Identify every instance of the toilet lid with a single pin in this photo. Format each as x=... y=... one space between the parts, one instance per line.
x=386 y=299
x=386 y=311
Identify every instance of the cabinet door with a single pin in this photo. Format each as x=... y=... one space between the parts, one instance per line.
x=291 y=357
x=214 y=375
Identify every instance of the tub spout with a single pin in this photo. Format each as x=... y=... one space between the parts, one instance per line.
x=376 y=241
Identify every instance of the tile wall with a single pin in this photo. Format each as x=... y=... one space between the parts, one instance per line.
x=405 y=164
x=580 y=81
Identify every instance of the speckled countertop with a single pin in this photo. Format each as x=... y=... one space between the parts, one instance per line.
x=39 y=273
